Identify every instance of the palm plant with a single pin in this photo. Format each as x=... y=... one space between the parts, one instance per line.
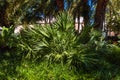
x=57 y=43
x=53 y=40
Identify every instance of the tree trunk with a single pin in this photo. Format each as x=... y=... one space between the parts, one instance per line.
x=86 y=10
x=3 y=16
x=100 y=14
x=60 y=4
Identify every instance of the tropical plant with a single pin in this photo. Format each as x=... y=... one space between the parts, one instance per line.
x=52 y=39
x=57 y=43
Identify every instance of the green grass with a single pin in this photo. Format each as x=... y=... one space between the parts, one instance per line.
x=41 y=71
x=13 y=67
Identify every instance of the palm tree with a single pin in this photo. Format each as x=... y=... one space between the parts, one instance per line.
x=100 y=14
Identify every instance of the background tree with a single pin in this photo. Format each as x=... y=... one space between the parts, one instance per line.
x=60 y=4
x=10 y=11
x=100 y=14
x=85 y=11
x=113 y=16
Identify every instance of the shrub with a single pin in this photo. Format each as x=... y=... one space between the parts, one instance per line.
x=57 y=43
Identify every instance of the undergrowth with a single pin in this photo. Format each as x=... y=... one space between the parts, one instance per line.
x=55 y=52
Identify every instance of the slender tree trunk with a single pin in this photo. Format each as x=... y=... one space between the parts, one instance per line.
x=60 y=4
x=100 y=14
x=86 y=10
x=79 y=22
x=3 y=16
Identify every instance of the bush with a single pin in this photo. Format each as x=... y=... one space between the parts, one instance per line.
x=57 y=43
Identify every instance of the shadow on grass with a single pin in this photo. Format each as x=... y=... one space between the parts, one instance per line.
x=9 y=60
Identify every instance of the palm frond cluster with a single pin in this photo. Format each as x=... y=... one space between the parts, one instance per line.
x=60 y=43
